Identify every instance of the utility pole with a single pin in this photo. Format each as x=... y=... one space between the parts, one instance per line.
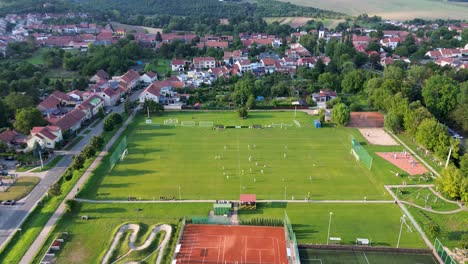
x=40 y=157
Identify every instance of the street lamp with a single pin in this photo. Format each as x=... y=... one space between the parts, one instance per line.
x=329 y=225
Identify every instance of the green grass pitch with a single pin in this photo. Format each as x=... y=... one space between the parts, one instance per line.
x=209 y=164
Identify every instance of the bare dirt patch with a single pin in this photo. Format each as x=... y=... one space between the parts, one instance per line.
x=378 y=136
x=404 y=161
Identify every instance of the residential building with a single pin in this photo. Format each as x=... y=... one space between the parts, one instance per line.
x=46 y=137
x=177 y=65
x=149 y=77
x=204 y=62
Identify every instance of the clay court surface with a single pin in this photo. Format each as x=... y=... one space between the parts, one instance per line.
x=404 y=161
x=378 y=136
x=366 y=119
x=232 y=244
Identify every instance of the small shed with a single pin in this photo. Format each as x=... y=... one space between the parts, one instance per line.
x=317 y=123
x=222 y=208
x=248 y=201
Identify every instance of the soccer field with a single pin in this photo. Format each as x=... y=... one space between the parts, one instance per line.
x=202 y=163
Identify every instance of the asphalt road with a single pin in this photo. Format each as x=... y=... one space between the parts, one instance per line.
x=11 y=217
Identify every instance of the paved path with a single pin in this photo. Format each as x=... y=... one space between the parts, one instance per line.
x=415 y=224
x=413 y=153
x=131 y=243
x=39 y=241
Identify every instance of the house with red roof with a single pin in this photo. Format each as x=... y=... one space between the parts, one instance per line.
x=151 y=93
x=231 y=57
x=54 y=102
x=130 y=79
x=46 y=137
x=149 y=77
x=91 y=106
x=100 y=75
x=71 y=121
x=323 y=96
x=109 y=96
x=217 y=44
x=178 y=64
x=244 y=65
x=9 y=137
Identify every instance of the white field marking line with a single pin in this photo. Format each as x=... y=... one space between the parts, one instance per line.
x=365 y=257
x=238 y=163
x=224 y=245
x=219 y=248
x=314 y=260
x=260 y=254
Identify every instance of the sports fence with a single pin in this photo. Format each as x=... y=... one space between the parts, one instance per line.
x=118 y=151
x=291 y=241
x=210 y=220
x=361 y=154
x=446 y=258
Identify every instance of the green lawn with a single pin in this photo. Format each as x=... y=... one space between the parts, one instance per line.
x=452 y=226
x=20 y=188
x=90 y=239
x=160 y=159
x=314 y=256
x=49 y=165
x=378 y=222
x=423 y=197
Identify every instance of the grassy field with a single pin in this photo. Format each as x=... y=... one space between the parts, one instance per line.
x=378 y=222
x=423 y=197
x=314 y=256
x=20 y=188
x=393 y=9
x=203 y=163
x=90 y=239
x=452 y=226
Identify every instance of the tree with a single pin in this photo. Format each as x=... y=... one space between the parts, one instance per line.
x=159 y=37
x=464 y=165
x=340 y=114
x=3 y=114
x=321 y=115
x=56 y=188
x=78 y=162
x=414 y=116
x=432 y=228
x=97 y=142
x=434 y=136
x=393 y=121
x=450 y=182
x=27 y=118
x=440 y=95
x=70 y=205
x=352 y=82
x=18 y=100
x=101 y=113
x=242 y=112
x=108 y=124
x=59 y=86
x=152 y=106
x=250 y=102
x=116 y=118
x=89 y=151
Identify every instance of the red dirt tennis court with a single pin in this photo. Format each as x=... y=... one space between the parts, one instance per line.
x=404 y=161
x=232 y=245
x=366 y=119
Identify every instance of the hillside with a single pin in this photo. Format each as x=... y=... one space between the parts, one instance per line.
x=393 y=9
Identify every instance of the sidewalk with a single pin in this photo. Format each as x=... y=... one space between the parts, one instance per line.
x=40 y=240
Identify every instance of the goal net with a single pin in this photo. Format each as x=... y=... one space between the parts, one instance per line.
x=361 y=154
x=171 y=122
x=187 y=123
x=119 y=152
x=206 y=124
x=291 y=241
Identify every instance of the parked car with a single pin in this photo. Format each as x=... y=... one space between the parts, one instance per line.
x=9 y=202
x=10 y=158
x=3 y=173
x=108 y=111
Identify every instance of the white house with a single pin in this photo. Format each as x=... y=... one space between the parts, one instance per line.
x=244 y=65
x=46 y=137
x=204 y=62
x=109 y=96
x=177 y=65
x=390 y=42
x=149 y=77
x=151 y=93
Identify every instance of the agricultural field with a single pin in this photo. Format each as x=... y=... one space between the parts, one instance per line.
x=393 y=9
x=296 y=22
x=192 y=162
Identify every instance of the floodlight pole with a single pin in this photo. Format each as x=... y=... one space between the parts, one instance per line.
x=401 y=229
x=329 y=225
x=448 y=157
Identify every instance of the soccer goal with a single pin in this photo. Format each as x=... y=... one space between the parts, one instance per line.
x=187 y=123
x=361 y=154
x=297 y=123
x=206 y=124
x=124 y=154
x=171 y=122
